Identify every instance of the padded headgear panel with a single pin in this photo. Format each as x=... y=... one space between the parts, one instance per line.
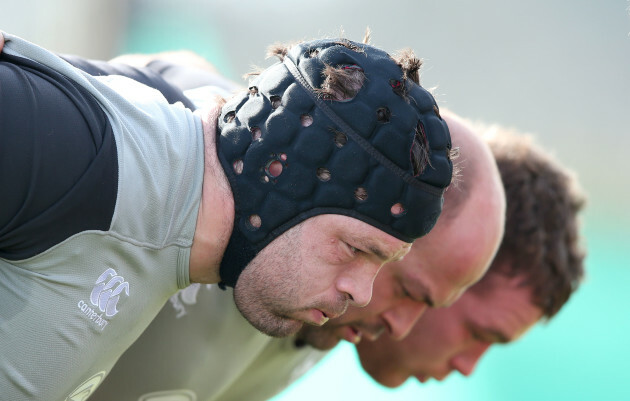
x=290 y=154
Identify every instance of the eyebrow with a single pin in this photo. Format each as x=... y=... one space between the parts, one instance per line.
x=420 y=288
x=375 y=249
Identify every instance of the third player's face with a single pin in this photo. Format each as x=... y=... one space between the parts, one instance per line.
x=455 y=338
x=313 y=272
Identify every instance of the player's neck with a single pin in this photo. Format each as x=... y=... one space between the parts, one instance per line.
x=216 y=211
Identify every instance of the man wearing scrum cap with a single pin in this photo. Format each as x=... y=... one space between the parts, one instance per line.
x=176 y=356
x=473 y=215
x=537 y=268
x=318 y=176
x=533 y=276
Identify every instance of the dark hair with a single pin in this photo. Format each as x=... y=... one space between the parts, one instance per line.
x=541 y=240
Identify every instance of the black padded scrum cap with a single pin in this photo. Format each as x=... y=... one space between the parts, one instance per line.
x=345 y=160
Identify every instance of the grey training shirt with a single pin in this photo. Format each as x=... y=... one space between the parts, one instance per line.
x=101 y=182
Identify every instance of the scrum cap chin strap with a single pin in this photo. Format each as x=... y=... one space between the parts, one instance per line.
x=290 y=155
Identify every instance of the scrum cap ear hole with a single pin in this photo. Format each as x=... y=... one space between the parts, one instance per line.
x=383 y=114
x=340 y=139
x=275 y=102
x=306 y=120
x=323 y=174
x=398 y=87
x=229 y=116
x=274 y=168
x=238 y=166
x=256 y=133
x=254 y=221
x=397 y=210
x=361 y=194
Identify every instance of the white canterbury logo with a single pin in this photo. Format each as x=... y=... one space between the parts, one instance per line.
x=106 y=292
x=187 y=296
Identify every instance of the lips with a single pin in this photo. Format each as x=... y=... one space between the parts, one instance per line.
x=350 y=334
x=316 y=317
x=355 y=333
x=330 y=314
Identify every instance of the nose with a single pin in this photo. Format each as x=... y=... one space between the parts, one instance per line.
x=357 y=282
x=401 y=318
x=465 y=362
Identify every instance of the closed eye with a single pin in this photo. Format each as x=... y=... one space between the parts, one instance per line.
x=489 y=336
x=476 y=336
x=351 y=250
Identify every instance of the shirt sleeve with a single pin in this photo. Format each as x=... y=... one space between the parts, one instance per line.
x=58 y=159
x=146 y=76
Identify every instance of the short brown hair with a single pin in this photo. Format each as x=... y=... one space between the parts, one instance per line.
x=541 y=241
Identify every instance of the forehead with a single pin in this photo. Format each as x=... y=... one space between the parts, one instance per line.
x=456 y=253
x=444 y=266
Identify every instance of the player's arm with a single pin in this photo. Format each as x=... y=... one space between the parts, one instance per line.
x=144 y=75
x=58 y=159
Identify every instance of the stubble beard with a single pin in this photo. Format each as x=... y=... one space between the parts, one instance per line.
x=267 y=291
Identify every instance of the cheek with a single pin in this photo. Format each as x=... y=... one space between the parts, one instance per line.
x=379 y=362
x=276 y=277
x=384 y=283
x=388 y=287
x=432 y=338
x=325 y=274
x=379 y=302
x=316 y=279
x=314 y=282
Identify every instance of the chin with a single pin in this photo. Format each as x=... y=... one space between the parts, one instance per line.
x=383 y=375
x=390 y=381
x=270 y=324
x=282 y=328
x=318 y=338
